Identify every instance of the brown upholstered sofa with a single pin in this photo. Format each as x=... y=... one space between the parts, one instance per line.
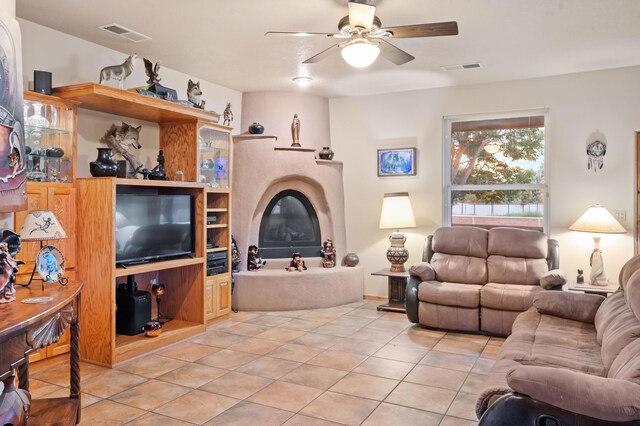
x=572 y=359
x=473 y=279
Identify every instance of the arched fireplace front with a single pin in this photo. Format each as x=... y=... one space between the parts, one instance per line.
x=289 y=224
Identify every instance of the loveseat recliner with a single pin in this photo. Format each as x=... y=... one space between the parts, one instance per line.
x=473 y=279
x=572 y=359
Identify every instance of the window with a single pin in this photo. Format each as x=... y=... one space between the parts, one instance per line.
x=494 y=168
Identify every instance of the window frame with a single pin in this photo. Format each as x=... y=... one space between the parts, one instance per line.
x=448 y=187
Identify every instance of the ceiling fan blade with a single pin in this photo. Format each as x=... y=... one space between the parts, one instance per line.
x=361 y=15
x=394 y=54
x=434 y=29
x=322 y=55
x=298 y=33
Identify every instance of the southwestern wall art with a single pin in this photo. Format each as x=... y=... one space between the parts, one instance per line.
x=13 y=174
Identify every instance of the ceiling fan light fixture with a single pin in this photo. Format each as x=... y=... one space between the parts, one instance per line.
x=360 y=53
x=302 y=81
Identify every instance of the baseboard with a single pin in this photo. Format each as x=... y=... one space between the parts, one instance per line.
x=370 y=297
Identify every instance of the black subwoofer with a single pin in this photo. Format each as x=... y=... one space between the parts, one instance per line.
x=134 y=310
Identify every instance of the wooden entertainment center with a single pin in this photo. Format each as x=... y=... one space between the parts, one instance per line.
x=195 y=144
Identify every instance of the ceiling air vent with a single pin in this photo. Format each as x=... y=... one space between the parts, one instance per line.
x=125 y=32
x=469 y=66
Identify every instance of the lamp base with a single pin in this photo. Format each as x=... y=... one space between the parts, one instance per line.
x=397 y=254
x=597 y=276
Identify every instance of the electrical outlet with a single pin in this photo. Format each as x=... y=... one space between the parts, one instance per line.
x=620 y=215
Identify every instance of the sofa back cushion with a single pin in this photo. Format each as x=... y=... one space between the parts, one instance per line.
x=514 y=242
x=462 y=241
x=459 y=269
x=627 y=364
x=612 y=307
x=619 y=333
x=515 y=270
x=627 y=270
x=632 y=293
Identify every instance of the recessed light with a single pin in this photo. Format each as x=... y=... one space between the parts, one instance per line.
x=302 y=81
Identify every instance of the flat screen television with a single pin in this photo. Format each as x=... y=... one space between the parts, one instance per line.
x=151 y=226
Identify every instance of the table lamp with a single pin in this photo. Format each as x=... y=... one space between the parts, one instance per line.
x=40 y=225
x=597 y=220
x=397 y=213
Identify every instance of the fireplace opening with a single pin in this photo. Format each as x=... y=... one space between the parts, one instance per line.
x=289 y=224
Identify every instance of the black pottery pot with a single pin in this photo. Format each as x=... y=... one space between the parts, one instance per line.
x=326 y=153
x=256 y=129
x=104 y=166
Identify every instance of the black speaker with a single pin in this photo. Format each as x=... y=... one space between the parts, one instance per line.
x=134 y=310
x=42 y=82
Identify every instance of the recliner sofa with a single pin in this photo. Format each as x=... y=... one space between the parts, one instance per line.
x=473 y=279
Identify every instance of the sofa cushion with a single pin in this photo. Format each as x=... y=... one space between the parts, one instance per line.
x=553 y=278
x=627 y=270
x=632 y=294
x=463 y=241
x=627 y=364
x=449 y=317
x=423 y=270
x=609 y=310
x=515 y=270
x=514 y=242
x=459 y=269
x=620 y=332
x=450 y=294
x=508 y=297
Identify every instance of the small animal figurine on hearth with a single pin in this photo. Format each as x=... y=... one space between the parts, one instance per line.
x=296 y=264
x=120 y=139
x=295 y=131
x=152 y=71
x=9 y=246
x=194 y=93
x=157 y=173
x=580 y=277
x=118 y=72
x=227 y=115
x=329 y=253
x=254 y=261
x=235 y=256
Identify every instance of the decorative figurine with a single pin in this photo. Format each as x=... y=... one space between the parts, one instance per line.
x=296 y=264
x=597 y=276
x=235 y=256
x=227 y=115
x=9 y=246
x=157 y=173
x=254 y=261
x=118 y=72
x=595 y=152
x=329 y=253
x=295 y=131
x=120 y=139
x=580 y=277
x=152 y=71
x=193 y=94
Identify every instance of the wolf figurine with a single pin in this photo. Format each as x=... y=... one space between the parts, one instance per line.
x=118 y=72
x=193 y=94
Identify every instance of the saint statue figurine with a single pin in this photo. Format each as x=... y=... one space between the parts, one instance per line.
x=598 y=276
x=295 y=131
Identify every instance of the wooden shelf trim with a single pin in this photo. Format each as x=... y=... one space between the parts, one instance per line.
x=216 y=249
x=158 y=266
x=99 y=97
x=151 y=183
x=218 y=210
x=217 y=225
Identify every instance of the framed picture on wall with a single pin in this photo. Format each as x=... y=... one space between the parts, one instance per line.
x=397 y=162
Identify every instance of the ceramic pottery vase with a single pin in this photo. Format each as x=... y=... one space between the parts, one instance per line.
x=152 y=329
x=256 y=129
x=397 y=254
x=326 y=153
x=351 y=259
x=55 y=152
x=104 y=166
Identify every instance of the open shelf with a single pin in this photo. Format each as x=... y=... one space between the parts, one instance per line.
x=99 y=97
x=130 y=346
x=157 y=266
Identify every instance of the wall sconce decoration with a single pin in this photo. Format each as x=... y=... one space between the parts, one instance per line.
x=595 y=152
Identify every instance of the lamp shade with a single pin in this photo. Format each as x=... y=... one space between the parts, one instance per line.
x=597 y=220
x=360 y=53
x=396 y=211
x=40 y=225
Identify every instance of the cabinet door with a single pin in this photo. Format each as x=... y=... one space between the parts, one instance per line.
x=210 y=299
x=224 y=295
x=37 y=200
x=62 y=202
x=62 y=346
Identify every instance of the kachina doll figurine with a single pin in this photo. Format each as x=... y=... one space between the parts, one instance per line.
x=9 y=247
x=235 y=256
x=254 y=261
x=296 y=264
x=329 y=253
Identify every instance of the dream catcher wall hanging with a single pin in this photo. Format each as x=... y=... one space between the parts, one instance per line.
x=595 y=153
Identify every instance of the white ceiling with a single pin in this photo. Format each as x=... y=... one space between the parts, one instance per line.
x=223 y=41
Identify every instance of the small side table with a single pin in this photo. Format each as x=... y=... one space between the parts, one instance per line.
x=397 y=287
x=593 y=289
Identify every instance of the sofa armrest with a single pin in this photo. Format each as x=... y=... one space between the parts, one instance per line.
x=423 y=270
x=607 y=399
x=553 y=279
x=568 y=304
x=411 y=301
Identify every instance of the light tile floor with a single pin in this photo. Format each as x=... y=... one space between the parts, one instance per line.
x=347 y=365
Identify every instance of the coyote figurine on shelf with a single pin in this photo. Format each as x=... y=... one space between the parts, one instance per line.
x=194 y=93
x=118 y=72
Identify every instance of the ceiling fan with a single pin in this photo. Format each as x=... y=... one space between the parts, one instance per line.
x=365 y=38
